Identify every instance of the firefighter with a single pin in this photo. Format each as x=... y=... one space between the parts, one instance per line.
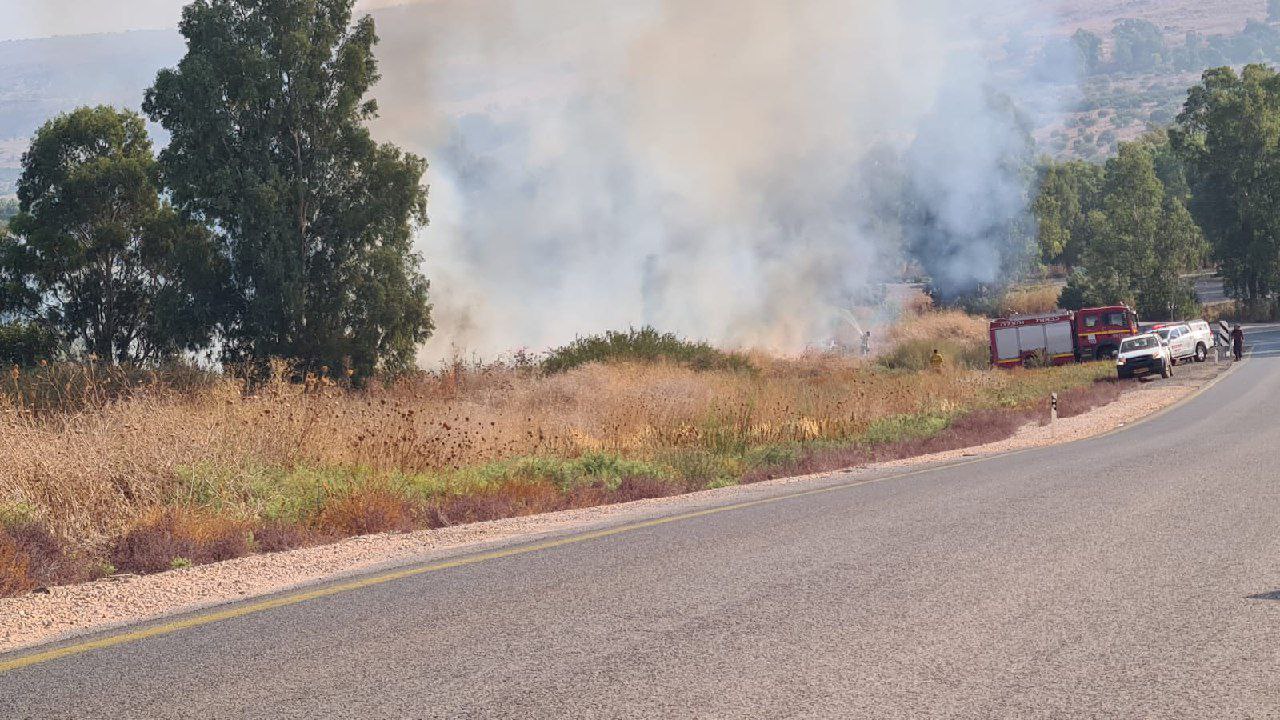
x=935 y=361
x=866 y=343
x=1237 y=342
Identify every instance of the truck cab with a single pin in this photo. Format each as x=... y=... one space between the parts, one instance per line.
x=1099 y=331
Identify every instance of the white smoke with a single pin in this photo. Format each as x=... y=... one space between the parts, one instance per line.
x=725 y=169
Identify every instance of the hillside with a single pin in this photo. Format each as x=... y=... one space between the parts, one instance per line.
x=40 y=78
x=1116 y=105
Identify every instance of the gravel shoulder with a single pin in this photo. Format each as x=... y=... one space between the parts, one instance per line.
x=63 y=612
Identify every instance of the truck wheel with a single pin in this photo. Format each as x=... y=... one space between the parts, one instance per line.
x=1125 y=374
x=1202 y=352
x=1166 y=370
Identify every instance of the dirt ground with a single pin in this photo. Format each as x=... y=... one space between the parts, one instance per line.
x=61 y=612
x=1175 y=17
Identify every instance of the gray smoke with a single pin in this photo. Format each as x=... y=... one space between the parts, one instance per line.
x=731 y=170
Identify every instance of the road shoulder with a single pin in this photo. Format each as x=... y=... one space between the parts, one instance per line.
x=62 y=613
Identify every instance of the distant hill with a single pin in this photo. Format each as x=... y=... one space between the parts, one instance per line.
x=41 y=78
x=1119 y=105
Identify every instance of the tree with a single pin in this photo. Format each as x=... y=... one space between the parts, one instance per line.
x=95 y=255
x=1088 y=48
x=8 y=208
x=268 y=115
x=1066 y=193
x=1141 y=238
x=1139 y=45
x=1228 y=135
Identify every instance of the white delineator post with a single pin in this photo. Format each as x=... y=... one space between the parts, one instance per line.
x=1053 y=415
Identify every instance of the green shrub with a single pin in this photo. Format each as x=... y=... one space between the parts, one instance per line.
x=898 y=428
x=643 y=345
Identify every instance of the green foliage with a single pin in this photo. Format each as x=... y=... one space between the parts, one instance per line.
x=25 y=344
x=96 y=254
x=644 y=345
x=268 y=113
x=17 y=514
x=8 y=208
x=1140 y=238
x=1066 y=193
x=898 y=428
x=1139 y=45
x=1228 y=134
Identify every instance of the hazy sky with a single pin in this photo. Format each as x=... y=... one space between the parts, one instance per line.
x=41 y=18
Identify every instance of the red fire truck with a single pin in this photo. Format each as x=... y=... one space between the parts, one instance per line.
x=1061 y=336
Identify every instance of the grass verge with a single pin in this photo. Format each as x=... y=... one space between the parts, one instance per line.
x=161 y=477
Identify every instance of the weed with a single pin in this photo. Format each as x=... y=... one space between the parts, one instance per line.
x=160 y=537
x=364 y=510
x=914 y=355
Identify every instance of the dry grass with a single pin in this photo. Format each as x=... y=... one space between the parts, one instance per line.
x=1030 y=300
x=209 y=470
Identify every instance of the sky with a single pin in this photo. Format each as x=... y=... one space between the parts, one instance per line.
x=43 y=18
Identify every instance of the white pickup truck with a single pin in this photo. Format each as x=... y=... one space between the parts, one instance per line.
x=1187 y=341
x=1142 y=354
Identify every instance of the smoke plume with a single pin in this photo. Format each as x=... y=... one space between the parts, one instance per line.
x=741 y=171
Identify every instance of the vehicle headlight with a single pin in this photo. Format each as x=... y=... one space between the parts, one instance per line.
x=1119 y=362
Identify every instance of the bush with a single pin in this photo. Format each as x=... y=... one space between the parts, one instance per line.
x=25 y=344
x=371 y=508
x=152 y=544
x=30 y=557
x=644 y=345
x=72 y=387
x=915 y=354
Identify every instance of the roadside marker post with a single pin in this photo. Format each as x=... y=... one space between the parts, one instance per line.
x=1053 y=415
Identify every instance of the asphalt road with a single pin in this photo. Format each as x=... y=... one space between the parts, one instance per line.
x=1209 y=289
x=1124 y=576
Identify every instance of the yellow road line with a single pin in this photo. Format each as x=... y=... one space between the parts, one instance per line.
x=382 y=578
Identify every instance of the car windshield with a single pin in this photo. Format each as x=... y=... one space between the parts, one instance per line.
x=1164 y=332
x=1146 y=342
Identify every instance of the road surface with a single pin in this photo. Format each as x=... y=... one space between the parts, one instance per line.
x=1132 y=575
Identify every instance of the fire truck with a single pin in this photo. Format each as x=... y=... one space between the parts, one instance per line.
x=1061 y=336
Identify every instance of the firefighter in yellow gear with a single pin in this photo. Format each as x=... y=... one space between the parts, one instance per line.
x=935 y=361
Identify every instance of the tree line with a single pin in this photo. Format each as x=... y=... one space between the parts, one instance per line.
x=271 y=225
x=1139 y=46
x=1206 y=191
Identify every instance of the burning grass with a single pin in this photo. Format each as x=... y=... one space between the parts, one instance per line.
x=170 y=474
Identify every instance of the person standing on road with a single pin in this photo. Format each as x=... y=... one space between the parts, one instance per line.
x=1237 y=342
